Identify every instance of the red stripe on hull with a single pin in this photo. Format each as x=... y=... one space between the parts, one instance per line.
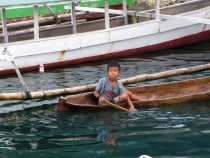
x=192 y=39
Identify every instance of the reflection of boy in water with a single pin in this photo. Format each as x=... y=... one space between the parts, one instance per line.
x=111 y=89
x=106 y=136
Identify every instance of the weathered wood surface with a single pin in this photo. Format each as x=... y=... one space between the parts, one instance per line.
x=91 y=87
x=114 y=105
x=62 y=20
x=167 y=93
x=41 y=21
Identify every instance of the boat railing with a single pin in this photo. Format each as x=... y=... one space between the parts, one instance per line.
x=73 y=8
x=106 y=11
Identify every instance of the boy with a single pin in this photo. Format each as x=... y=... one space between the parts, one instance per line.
x=111 y=89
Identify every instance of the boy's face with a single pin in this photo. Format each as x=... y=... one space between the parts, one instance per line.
x=113 y=72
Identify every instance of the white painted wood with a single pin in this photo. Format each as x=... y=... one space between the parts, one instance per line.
x=4 y=25
x=187 y=19
x=98 y=10
x=73 y=18
x=172 y=17
x=6 y=58
x=157 y=9
x=36 y=22
x=106 y=6
x=125 y=12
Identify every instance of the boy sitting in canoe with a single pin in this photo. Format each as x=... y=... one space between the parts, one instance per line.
x=111 y=89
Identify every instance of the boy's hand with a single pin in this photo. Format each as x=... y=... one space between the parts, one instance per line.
x=101 y=99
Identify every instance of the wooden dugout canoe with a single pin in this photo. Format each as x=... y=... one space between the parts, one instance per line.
x=167 y=93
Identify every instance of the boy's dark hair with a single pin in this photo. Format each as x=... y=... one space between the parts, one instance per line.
x=113 y=64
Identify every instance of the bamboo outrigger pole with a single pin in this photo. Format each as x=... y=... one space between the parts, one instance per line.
x=91 y=87
x=6 y=54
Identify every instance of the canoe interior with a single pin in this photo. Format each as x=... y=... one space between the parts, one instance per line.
x=174 y=92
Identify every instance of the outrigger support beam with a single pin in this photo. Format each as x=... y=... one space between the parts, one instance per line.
x=51 y=11
x=97 y=10
x=187 y=19
x=171 y=17
x=6 y=56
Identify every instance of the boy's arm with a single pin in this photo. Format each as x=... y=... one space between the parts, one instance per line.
x=96 y=94
x=98 y=88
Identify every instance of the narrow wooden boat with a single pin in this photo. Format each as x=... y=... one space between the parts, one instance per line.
x=167 y=93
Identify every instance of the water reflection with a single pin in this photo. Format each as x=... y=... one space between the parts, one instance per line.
x=43 y=128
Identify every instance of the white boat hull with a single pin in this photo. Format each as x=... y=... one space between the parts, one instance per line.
x=115 y=42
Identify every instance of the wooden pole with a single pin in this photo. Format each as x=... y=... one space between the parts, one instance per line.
x=157 y=9
x=114 y=105
x=125 y=12
x=73 y=18
x=106 y=5
x=91 y=87
x=11 y=59
x=20 y=77
x=51 y=11
x=4 y=25
x=36 y=22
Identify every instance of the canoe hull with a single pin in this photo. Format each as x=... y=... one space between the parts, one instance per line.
x=167 y=93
